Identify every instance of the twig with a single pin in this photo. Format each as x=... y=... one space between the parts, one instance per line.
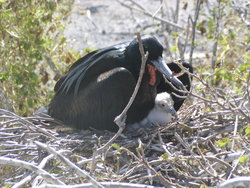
x=168 y=50
x=243 y=181
x=164 y=180
x=242 y=10
x=31 y=176
x=144 y=11
x=216 y=37
x=235 y=165
x=235 y=131
x=183 y=50
x=27 y=123
x=177 y=8
x=106 y=184
x=79 y=171
x=18 y=163
x=197 y=10
x=120 y=119
x=157 y=11
x=163 y=145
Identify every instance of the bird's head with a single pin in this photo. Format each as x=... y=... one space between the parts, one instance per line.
x=164 y=103
x=154 y=61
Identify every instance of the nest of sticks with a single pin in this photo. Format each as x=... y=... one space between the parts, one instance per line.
x=201 y=147
x=208 y=144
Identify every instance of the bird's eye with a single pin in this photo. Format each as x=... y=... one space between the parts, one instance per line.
x=163 y=105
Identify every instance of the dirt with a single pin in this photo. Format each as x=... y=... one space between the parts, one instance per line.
x=98 y=23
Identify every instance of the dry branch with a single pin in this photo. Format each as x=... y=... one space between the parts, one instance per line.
x=147 y=13
x=236 y=182
x=120 y=119
x=106 y=184
x=194 y=22
x=18 y=163
x=79 y=171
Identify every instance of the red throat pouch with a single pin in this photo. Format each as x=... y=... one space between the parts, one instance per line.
x=152 y=72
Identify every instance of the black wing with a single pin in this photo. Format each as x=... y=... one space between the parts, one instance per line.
x=77 y=71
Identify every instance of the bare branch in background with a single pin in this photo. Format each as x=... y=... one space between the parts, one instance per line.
x=177 y=8
x=168 y=49
x=144 y=11
x=216 y=37
x=194 y=22
x=182 y=47
x=243 y=10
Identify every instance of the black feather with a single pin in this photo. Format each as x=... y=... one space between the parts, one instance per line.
x=78 y=70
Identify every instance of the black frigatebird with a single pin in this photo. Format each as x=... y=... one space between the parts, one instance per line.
x=161 y=114
x=184 y=77
x=98 y=86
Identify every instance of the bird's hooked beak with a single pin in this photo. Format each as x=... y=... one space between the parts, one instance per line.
x=164 y=69
x=173 y=112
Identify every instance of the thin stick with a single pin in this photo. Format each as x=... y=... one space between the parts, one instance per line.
x=144 y=11
x=106 y=184
x=144 y=57
x=32 y=175
x=235 y=131
x=197 y=10
x=243 y=181
x=18 y=163
x=216 y=37
x=79 y=171
x=120 y=119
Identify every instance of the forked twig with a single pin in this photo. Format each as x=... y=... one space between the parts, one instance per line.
x=147 y=13
x=120 y=119
x=79 y=171
x=19 y=163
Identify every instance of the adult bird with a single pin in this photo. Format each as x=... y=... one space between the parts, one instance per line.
x=184 y=76
x=99 y=85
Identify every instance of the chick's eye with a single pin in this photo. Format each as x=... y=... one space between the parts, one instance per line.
x=163 y=105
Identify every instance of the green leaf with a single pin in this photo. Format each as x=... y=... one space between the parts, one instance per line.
x=246 y=129
x=224 y=141
x=243 y=158
x=165 y=156
x=57 y=171
x=116 y=146
x=173 y=49
x=4 y=76
x=6 y=13
x=138 y=149
x=175 y=34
